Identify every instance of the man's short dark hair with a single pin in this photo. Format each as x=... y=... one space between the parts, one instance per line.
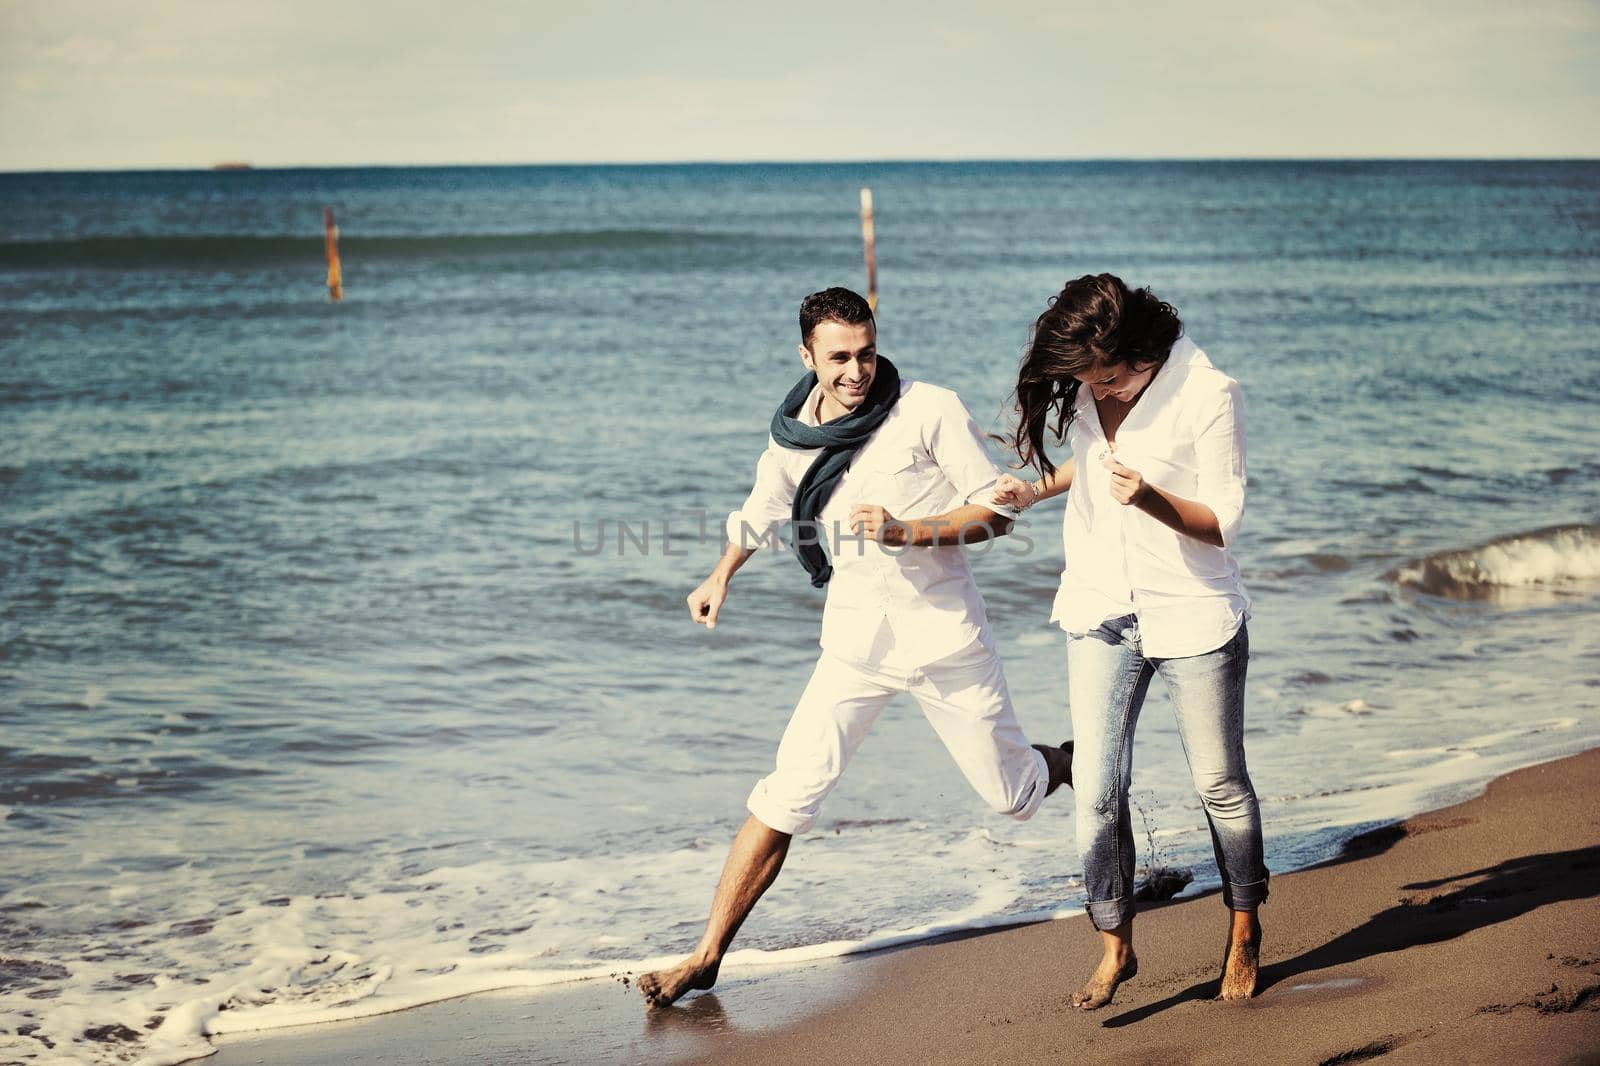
x=831 y=305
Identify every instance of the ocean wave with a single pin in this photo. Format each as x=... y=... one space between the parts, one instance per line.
x=389 y=945
x=1555 y=556
x=245 y=249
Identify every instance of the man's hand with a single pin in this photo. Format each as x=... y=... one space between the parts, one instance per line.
x=705 y=602
x=877 y=524
x=1127 y=486
x=1014 y=492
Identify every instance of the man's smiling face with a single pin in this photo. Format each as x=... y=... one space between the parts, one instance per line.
x=845 y=358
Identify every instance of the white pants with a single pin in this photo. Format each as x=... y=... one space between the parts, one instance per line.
x=964 y=698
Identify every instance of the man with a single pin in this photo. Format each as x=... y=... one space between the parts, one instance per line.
x=893 y=478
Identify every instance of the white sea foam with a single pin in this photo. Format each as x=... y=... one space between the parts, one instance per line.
x=1545 y=557
x=1474 y=746
x=1301 y=546
x=1352 y=708
x=394 y=944
x=398 y=942
x=289 y=980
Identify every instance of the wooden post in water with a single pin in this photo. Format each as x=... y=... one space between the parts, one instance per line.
x=331 y=239
x=871 y=243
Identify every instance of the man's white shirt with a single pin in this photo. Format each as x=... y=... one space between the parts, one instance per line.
x=901 y=606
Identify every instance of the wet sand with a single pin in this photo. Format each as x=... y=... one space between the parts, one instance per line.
x=1470 y=934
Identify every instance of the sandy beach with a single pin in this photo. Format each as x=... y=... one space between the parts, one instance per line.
x=1469 y=934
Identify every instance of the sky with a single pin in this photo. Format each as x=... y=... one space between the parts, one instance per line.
x=113 y=84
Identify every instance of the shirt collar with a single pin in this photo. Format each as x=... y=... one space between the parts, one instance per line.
x=1184 y=352
x=810 y=410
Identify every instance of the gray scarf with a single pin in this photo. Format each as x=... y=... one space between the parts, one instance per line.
x=838 y=440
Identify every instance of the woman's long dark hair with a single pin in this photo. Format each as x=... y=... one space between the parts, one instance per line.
x=1095 y=322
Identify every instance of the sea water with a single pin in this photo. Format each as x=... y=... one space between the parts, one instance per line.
x=344 y=661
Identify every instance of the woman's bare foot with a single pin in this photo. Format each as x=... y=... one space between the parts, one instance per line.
x=1241 y=959
x=1116 y=966
x=663 y=987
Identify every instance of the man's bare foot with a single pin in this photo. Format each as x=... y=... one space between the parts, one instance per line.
x=1102 y=985
x=1241 y=960
x=663 y=987
x=1059 y=760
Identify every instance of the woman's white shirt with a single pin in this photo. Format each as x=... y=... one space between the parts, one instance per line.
x=1185 y=435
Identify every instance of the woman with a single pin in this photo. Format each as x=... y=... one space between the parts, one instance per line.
x=1157 y=473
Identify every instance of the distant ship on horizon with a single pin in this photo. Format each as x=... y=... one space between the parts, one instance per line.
x=231 y=166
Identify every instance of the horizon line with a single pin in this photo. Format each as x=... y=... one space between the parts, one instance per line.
x=235 y=167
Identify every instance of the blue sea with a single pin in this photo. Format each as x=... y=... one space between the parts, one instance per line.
x=344 y=661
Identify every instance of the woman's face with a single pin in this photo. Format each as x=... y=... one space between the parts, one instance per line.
x=1121 y=382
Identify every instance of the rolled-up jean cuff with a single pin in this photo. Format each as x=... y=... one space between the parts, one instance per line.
x=1244 y=897
x=1107 y=914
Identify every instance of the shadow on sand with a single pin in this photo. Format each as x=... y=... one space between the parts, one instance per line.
x=1482 y=898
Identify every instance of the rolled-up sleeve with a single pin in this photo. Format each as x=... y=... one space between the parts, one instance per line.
x=755 y=524
x=957 y=445
x=1219 y=456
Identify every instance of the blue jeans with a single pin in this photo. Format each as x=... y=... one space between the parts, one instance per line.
x=1107 y=678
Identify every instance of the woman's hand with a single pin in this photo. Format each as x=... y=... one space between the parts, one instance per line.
x=1128 y=487
x=877 y=524
x=1012 y=491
